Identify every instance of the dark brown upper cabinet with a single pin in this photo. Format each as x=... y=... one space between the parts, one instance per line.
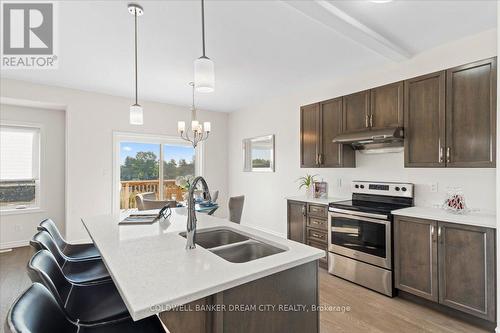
x=450 y=117
x=333 y=155
x=319 y=124
x=355 y=112
x=424 y=118
x=309 y=136
x=386 y=106
x=471 y=114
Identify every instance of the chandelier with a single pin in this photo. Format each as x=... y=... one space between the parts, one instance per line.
x=198 y=132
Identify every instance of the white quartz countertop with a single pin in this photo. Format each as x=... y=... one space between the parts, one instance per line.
x=315 y=200
x=481 y=219
x=154 y=272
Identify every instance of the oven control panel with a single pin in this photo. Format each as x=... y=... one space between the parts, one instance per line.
x=404 y=190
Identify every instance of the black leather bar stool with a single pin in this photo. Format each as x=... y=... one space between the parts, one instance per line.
x=73 y=251
x=37 y=311
x=91 y=303
x=83 y=271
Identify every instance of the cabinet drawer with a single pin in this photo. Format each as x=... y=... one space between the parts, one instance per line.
x=317 y=210
x=316 y=235
x=314 y=222
x=320 y=246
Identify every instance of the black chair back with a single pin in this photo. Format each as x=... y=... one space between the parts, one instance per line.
x=36 y=310
x=43 y=268
x=43 y=241
x=49 y=226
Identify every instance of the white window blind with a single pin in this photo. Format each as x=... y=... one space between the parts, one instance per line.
x=19 y=153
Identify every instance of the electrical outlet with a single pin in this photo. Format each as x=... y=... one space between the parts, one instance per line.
x=433 y=187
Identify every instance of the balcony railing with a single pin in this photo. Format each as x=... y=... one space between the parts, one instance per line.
x=132 y=187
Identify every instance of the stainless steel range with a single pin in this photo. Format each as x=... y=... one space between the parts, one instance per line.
x=360 y=233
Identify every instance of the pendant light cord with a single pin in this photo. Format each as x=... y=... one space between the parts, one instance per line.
x=193 y=108
x=203 y=25
x=135 y=16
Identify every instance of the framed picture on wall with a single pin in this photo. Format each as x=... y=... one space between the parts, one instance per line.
x=258 y=154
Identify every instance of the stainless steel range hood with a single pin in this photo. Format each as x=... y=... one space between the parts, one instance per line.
x=374 y=141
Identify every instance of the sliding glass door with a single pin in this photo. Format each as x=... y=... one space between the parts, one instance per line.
x=150 y=165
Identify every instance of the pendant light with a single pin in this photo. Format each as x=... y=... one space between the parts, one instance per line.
x=136 y=113
x=204 y=76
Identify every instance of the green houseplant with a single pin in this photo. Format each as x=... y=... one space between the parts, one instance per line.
x=307 y=181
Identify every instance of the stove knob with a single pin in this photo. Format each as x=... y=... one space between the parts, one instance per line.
x=356 y=186
x=397 y=188
x=362 y=186
x=403 y=189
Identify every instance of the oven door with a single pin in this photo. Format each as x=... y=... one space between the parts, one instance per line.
x=359 y=237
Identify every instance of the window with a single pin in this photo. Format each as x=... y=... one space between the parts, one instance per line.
x=19 y=167
x=144 y=161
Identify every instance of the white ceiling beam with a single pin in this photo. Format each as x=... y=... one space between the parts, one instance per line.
x=326 y=13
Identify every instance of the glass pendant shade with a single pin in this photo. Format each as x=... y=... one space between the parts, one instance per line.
x=204 y=75
x=136 y=115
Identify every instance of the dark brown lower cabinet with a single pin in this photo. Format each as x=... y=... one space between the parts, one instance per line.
x=296 y=220
x=467 y=269
x=308 y=224
x=451 y=264
x=415 y=257
x=254 y=307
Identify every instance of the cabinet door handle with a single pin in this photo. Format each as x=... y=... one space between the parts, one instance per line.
x=367 y=121
x=432 y=230
x=371 y=120
x=441 y=154
x=439 y=232
x=320 y=159
x=304 y=210
x=448 y=154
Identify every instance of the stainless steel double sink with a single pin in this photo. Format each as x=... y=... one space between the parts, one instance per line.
x=233 y=246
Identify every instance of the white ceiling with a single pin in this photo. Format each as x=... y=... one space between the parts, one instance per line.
x=261 y=49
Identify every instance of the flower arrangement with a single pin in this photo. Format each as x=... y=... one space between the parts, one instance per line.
x=184 y=182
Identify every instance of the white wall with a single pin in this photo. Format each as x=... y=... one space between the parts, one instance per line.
x=17 y=229
x=265 y=206
x=90 y=121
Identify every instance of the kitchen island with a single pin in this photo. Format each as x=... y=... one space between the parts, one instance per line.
x=210 y=289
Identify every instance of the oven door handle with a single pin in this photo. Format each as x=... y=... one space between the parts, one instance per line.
x=356 y=213
x=357 y=217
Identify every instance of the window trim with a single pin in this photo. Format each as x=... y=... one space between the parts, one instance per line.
x=39 y=205
x=119 y=137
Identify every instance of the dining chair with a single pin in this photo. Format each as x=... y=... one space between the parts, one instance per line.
x=88 y=304
x=82 y=271
x=147 y=201
x=37 y=311
x=73 y=251
x=236 y=208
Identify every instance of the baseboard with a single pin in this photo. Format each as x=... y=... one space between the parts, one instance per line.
x=272 y=232
x=14 y=244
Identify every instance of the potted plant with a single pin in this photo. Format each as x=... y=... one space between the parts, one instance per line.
x=307 y=181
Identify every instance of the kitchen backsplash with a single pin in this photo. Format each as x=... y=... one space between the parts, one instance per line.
x=431 y=184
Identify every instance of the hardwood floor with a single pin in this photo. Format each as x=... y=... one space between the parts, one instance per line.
x=365 y=310
x=13 y=278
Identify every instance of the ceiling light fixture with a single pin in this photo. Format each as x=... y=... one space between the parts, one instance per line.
x=204 y=76
x=136 y=113
x=198 y=132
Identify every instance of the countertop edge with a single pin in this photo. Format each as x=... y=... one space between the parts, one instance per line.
x=146 y=312
x=440 y=215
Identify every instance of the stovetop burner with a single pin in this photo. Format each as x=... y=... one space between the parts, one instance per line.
x=368 y=206
x=377 y=197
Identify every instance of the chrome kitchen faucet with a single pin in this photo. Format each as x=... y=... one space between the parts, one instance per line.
x=191 y=207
